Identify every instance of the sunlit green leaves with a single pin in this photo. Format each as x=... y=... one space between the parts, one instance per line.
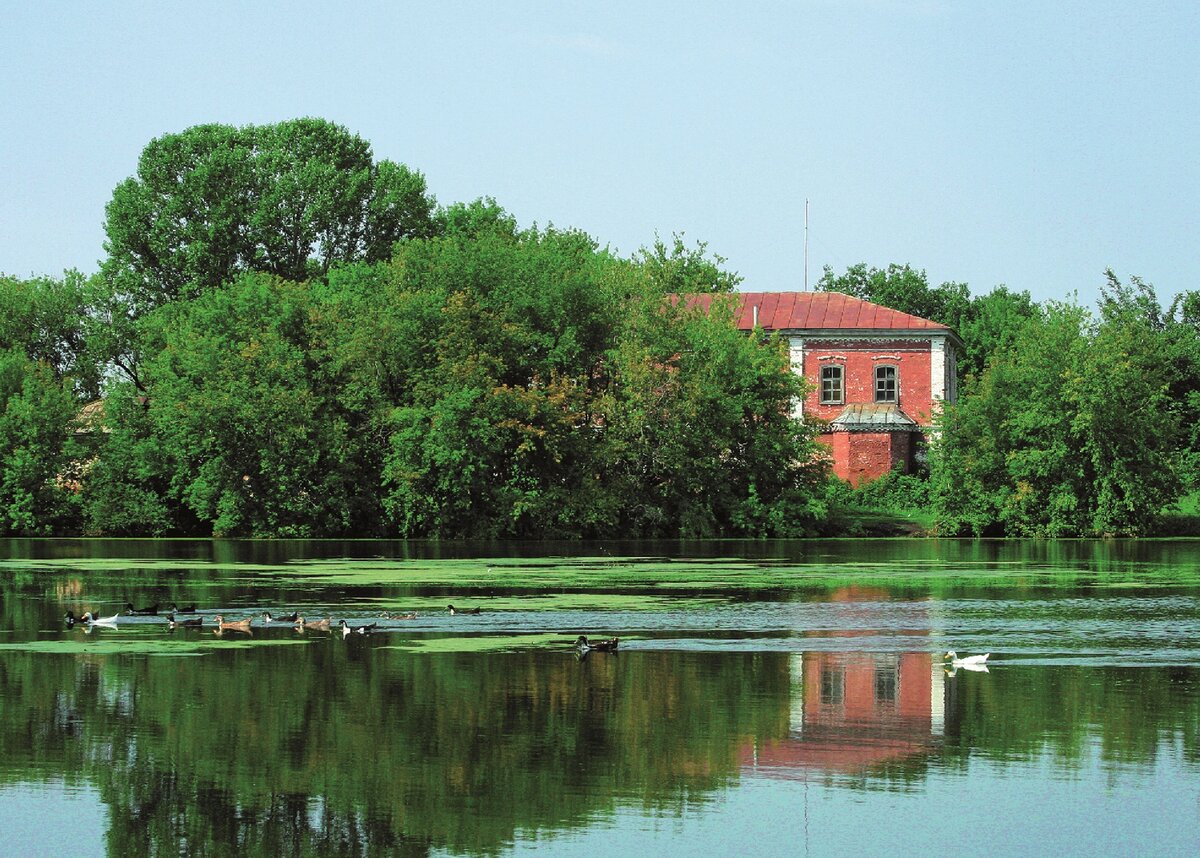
x=1070 y=431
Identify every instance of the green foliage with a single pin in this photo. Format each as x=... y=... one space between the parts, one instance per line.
x=290 y=199
x=43 y=374
x=505 y=331
x=680 y=270
x=308 y=348
x=214 y=202
x=991 y=324
x=561 y=394
x=127 y=489
x=1070 y=431
x=44 y=317
x=702 y=432
x=1176 y=334
x=38 y=485
x=487 y=381
x=892 y=505
x=255 y=447
x=896 y=492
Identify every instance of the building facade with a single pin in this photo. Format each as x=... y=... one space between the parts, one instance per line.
x=876 y=376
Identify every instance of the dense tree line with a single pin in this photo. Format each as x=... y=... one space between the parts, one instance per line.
x=294 y=340
x=290 y=338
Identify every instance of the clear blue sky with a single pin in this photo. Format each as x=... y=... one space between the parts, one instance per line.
x=1025 y=143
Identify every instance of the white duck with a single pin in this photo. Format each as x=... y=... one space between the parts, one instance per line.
x=108 y=622
x=969 y=662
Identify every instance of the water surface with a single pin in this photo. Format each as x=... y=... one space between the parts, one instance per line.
x=767 y=698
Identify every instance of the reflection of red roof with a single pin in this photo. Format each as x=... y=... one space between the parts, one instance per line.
x=790 y=759
x=816 y=311
x=860 y=593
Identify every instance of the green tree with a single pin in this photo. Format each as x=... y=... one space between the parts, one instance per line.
x=39 y=479
x=985 y=323
x=253 y=445
x=45 y=376
x=702 y=438
x=683 y=270
x=1070 y=431
x=1175 y=332
x=492 y=433
x=555 y=390
x=215 y=201
x=288 y=199
x=45 y=316
x=128 y=487
x=991 y=324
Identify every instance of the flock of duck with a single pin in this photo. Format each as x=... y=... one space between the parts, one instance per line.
x=294 y=619
x=301 y=624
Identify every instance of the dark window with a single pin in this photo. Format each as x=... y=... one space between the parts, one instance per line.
x=831 y=384
x=885 y=684
x=833 y=685
x=885 y=384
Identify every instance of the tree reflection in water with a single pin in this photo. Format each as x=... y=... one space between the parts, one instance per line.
x=330 y=748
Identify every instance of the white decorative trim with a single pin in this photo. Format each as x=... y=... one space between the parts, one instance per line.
x=937 y=369
x=824 y=358
x=796 y=358
x=886 y=357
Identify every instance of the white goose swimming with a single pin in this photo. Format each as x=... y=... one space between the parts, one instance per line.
x=108 y=622
x=969 y=661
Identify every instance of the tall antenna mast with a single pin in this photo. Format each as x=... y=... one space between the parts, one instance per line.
x=806 y=244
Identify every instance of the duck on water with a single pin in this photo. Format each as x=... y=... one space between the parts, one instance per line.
x=584 y=645
x=358 y=630
x=235 y=626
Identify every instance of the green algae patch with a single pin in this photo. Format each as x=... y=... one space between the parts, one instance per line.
x=427 y=607
x=638 y=582
x=139 y=647
x=488 y=643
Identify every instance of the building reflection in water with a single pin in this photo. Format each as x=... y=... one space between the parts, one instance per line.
x=853 y=710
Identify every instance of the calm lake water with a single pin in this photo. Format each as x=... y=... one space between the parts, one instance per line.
x=774 y=698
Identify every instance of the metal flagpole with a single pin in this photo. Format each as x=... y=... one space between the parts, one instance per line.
x=806 y=244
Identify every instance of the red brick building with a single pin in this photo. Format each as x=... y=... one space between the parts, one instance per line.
x=876 y=375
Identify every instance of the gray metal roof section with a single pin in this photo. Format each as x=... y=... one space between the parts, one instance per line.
x=873 y=417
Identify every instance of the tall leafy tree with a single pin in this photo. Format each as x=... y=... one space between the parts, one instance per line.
x=215 y=201
x=45 y=317
x=702 y=437
x=566 y=394
x=290 y=199
x=1175 y=333
x=680 y=269
x=253 y=446
x=493 y=435
x=1070 y=431
x=38 y=448
x=45 y=376
x=991 y=324
x=127 y=491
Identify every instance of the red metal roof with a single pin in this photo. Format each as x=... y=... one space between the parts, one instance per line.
x=816 y=311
